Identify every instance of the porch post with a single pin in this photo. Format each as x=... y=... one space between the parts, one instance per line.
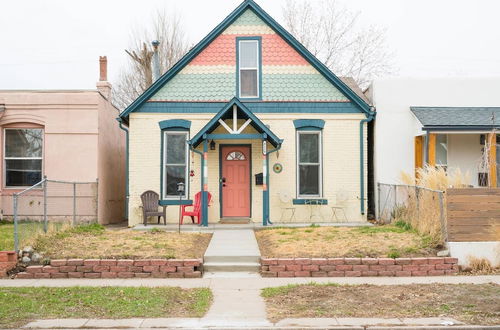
x=204 y=194
x=265 y=192
x=431 y=149
x=492 y=142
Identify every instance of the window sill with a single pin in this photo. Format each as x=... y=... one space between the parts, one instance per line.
x=175 y=202
x=310 y=201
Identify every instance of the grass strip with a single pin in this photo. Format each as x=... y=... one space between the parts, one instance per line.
x=469 y=303
x=21 y=305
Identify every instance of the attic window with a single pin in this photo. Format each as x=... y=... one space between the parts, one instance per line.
x=249 y=67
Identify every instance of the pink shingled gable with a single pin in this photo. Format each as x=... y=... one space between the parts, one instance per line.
x=221 y=51
x=275 y=51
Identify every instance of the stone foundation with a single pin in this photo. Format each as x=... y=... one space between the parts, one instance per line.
x=355 y=267
x=111 y=268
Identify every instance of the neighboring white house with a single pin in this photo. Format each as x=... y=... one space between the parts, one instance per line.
x=439 y=121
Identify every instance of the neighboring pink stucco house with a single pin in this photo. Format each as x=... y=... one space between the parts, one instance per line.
x=69 y=135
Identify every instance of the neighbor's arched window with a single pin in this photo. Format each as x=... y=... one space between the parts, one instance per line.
x=235 y=155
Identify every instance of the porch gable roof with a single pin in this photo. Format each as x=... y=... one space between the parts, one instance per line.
x=466 y=118
x=247 y=114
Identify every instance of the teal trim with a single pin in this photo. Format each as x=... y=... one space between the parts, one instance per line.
x=362 y=161
x=127 y=193
x=214 y=123
x=218 y=30
x=310 y=201
x=267 y=212
x=175 y=202
x=255 y=107
x=204 y=194
x=175 y=124
x=202 y=163
x=259 y=45
x=233 y=136
x=220 y=174
x=309 y=124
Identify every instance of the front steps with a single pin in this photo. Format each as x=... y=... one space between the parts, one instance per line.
x=232 y=251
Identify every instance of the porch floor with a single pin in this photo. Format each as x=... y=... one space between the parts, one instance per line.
x=252 y=225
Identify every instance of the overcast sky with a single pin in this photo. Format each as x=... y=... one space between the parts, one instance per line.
x=55 y=44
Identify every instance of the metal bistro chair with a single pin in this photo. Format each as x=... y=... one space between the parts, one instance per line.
x=286 y=206
x=150 y=205
x=340 y=198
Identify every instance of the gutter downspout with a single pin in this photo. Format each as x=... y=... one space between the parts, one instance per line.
x=369 y=118
x=126 y=166
x=266 y=217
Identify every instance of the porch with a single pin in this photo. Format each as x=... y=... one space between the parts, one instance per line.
x=464 y=139
x=234 y=139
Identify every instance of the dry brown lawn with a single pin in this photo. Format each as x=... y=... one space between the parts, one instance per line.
x=96 y=242
x=377 y=241
x=469 y=303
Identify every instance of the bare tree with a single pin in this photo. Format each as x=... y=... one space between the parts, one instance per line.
x=136 y=77
x=332 y=33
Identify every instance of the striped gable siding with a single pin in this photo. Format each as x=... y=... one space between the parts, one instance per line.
x=286 y=75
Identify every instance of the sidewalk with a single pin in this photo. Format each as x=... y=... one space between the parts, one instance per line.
x=252 y=283
x=305 y=323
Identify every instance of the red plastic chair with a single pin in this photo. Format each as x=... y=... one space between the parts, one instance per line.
x=196 y=212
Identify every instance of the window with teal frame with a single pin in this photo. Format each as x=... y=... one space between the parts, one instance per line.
x=249 y=67
x=174 y=158
x=175 y=163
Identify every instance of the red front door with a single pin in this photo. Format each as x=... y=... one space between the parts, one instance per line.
x=235 y=180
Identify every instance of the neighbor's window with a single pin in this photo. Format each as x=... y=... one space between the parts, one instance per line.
x=309 y=170
x=175 y=162
x=248 y=63
x=442 y=150
x=23 y=156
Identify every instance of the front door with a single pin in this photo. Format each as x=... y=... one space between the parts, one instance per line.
x=235 y=181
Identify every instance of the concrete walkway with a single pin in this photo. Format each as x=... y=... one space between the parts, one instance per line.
x=232 y=251
x=237 y=302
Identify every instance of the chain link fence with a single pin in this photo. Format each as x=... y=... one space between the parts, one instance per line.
x=52 y=205
x=423 y=208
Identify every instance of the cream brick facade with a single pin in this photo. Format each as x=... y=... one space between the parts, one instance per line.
x=340 y=165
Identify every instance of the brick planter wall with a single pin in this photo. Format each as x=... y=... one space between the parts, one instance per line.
x=8 y=261
x=111 y=268
x=340 y=267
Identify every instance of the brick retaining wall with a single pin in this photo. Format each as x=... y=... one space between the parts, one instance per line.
x=340 y=267
x=111 y=268
x=8 y=261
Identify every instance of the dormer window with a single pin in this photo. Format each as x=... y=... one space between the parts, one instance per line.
x=249 y=67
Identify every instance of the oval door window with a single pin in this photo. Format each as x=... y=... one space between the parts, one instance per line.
x=235 y=155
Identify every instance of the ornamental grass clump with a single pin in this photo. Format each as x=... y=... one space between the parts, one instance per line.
x=422 y=207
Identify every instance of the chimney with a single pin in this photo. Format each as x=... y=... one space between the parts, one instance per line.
x=103 y=68
x=103 y=86
x=156 y=61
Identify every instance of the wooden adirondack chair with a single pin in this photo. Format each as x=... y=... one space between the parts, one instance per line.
x=150 y=207
x=196 y=212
